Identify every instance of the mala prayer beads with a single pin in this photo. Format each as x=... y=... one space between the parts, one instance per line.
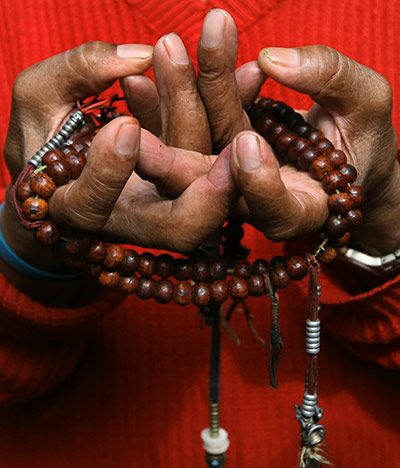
x=207 y=282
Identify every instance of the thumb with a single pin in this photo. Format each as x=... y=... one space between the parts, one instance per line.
x=333 y=80
x=87 y=203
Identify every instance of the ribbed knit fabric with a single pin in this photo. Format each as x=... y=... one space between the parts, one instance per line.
x=138 y=398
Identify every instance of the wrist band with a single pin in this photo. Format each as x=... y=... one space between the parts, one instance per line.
x=17 y=264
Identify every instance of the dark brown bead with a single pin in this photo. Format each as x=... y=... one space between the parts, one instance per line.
x=307 y=157
x=314 y=135
x=278 y=260
x=302 y=128
x=128 y=284
x=356 y=193
x=336 y=226
x=343 y=241
x=165 y=265
x=323 y=144
x=42 y=185
x=35 y=209
x=201 y=294
x=145 y=288
x=265 y=123
x=320 y=167
x=238 y=289
x=59 y=172
x=129 y=264
x=200 y=271
x=163 y=291
x=274 y=131
x=256 y=285
x=265 y=104
x=327 y=255
x=76 y=162
x=242 y=268
x=48 y=233
x=109 y=278
x=260 y=267
x=334 y=181
x=183 y=269
x=354 y=217
x=279 y=277
x=297 y=267
x=218 y=270
x=280 y=109
x=97 y=252
x=147 y=265
x=219 y=291
x=115 y=256
x=337 y=157
x=24 y=191
x=284 y=140
x=92 y=270
x=349 y=172
x=77 y=245
x=339 y=203
x=293 y=120
x=297 y=147
x=182 y=293
x=75 y=263
x=52 y=156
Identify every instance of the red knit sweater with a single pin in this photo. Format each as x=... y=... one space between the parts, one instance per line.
x=138 y=397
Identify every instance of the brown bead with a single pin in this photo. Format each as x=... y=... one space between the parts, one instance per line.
x=145 y=288
x=219 y=291
x=109 y=278
x=129 y=264
x=356 y=193
x=147 y=265
x=238 y=289
x=354 y=217
x=200 y=294
x=52 y=156
x=279 y=277
x=97 y=252
x=128 y=284
x=337 y=157
x=75 y=263
x=163 y=291
x=302 y=128
x=307 y=157
x=92 y=270
x=260 y=267
x=200 y=271
x=59 y=172
x=182 y=293
x=293 y=120
x=256 y=285
x=297 y=147
x=339 y=203
x=35 y=209
x=274 y=131
x=284 y=140
x=349 y=172
x=336 y=226
x=42 y=185
x=76 y=162
x=320 y=167
x=218 y=270
x=77 y=245
x=183 y=269
x=165 y=265
x=242 y=268
x=323 y=144
x=48 y=233
x=115 y=256
x=314 y=135
x=297 y=267
x=265 y=123
x=343 y=241
x=24 y=191
x=327 y=255
x=334 y=181
x=278 y=260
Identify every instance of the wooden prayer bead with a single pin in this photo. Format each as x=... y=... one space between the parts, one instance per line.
x=336 y=226
x=183 y=269
x=165 y=265
x=279 y=277
x=147 y=265
x=35 y=208
x=219 y=291
x=200 y=271
x=182 y=293
x=256 y=285
x=343 y=241
x=92 y=270
x=327 y=255
x=356 y=193
x=320 y=167
x=294 y=120
x=97 y=252
x=163 y=291
x=334 y=181
x=145 y=288
x=297 y=267
x=278 y=260
x=274 y=131
x=115 y=256
x=354 y=217
x=284 y=140
x=109 y=278
x=314 y=135
x=77 y=245
x=297 y=147
x=76 y=162
x=260 y=267
x=349 y=172
x=340 y=203
x=307 y=157
x=238 y=289
x=48 y=233
x=280 y=109
x=201 y=294
x=242 y=268
x=59 y=172
x=265 y=124
x=302 y=128
x=337 y=157
x=42 y=185
x=218 y=270
x=52 y=156
x=24 y=191
x=128 y=284
x=323 y=144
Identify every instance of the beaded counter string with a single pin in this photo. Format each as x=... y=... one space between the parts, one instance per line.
x=206 y=282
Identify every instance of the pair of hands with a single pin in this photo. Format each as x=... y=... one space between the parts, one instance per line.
x=158 y=185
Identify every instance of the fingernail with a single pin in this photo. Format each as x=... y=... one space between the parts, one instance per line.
x=137 y=51
x=176 y=49
x=213 y=28
x=127 y=139
x=281 y=56
x=247 y=151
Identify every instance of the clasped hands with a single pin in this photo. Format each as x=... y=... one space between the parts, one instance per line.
x=155 y=184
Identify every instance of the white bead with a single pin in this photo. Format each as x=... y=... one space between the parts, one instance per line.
x=215 y=445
